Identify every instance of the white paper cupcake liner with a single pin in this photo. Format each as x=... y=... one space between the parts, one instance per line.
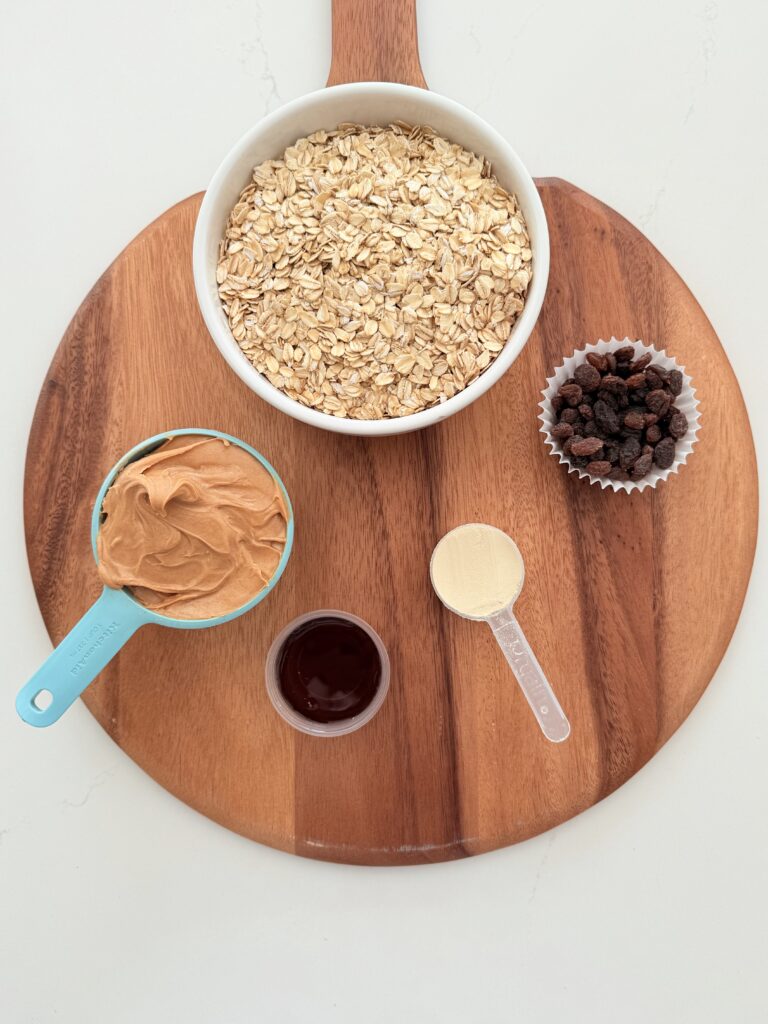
x=686 y=402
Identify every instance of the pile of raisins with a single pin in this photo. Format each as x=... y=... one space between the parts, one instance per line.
x=617 y=416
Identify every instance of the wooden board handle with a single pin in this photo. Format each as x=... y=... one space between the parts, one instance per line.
x=375 y=41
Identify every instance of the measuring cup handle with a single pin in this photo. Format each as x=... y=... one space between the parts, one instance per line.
x=530 y=676
x=80 y=656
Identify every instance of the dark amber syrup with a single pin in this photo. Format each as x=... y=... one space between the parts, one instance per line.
x=328 y=669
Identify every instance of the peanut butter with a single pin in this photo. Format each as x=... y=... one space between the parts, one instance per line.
x=196 y=529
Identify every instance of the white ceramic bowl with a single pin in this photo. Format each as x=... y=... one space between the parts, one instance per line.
x=364 y=103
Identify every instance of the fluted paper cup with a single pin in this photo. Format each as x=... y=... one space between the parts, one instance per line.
x=686 y=402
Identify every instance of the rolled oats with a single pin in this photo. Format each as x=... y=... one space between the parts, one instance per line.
x=373 y=272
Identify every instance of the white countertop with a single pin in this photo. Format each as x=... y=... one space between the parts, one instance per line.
x=119 y=904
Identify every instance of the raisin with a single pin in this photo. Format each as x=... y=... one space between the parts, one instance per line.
x=614 y=385
x=572 y=394
x=634 y=419
x=611 y=451
x=664 y=453
x=651 y=418
x=629 y=453
x=675 y=381
x=588 y=377
x=569 y=415
x=567 y=444
x=580 y=461
x=642 y=466
x=562 y=431
x=678 y=425
x=598 y=361
x=610 y=362
x=653 y=434
x=586 y=445
x=625 y=353
x=557 y=404
x=637 y=380
x=599 y=468
x=659 y=402
x=590 y=429
x=606 y=418
x=653 y=378
x=641 y=363
x=586 y=412
x=608 y=398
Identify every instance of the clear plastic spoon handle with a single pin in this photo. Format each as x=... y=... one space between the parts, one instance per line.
x=532 y=680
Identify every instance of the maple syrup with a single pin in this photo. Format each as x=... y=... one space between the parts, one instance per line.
x=328 y=669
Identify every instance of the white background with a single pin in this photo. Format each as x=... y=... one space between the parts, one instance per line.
x=117 y=903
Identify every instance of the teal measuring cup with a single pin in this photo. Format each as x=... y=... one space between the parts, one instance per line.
x=116 y=614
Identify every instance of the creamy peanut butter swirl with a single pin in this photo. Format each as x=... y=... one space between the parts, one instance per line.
x=196 y=529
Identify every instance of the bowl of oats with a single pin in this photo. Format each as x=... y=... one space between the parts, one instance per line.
x=371 y=258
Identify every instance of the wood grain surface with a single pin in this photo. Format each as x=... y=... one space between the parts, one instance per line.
x=629 y=601
x=375 y=41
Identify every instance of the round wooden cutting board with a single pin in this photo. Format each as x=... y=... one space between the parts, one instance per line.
x=629 y=601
